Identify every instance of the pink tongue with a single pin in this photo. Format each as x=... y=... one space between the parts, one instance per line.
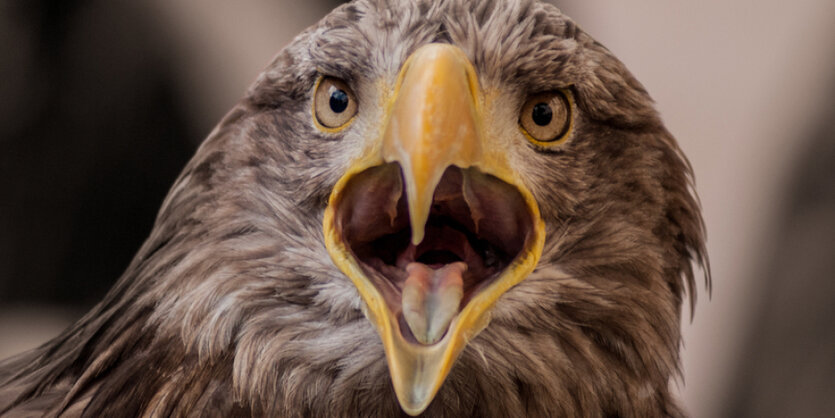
x=431 y=299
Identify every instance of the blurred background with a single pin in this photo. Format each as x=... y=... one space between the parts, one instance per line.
x=102 y=103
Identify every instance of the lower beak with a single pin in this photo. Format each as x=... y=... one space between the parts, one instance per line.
x=434 y=122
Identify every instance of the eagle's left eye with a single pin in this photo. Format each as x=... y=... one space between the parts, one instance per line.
x=334 y=103
x=546 y=117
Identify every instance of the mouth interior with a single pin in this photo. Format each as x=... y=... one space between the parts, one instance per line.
x=475 y=219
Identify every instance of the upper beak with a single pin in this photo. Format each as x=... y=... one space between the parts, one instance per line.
x=434 y=121
x=434 y=124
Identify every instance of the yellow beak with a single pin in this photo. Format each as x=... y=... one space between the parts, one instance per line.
x=434 y=122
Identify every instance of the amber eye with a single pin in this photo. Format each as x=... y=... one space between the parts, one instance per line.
x=334 y=104
x=546 y=117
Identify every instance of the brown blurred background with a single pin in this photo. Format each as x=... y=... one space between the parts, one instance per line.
x=102 y=103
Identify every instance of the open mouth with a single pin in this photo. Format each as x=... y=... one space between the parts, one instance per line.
x=477 y=226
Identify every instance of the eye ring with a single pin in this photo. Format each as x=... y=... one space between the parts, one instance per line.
x=546 y=118
x=334 y=104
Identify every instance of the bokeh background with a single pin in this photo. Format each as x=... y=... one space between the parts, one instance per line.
x=102 y=103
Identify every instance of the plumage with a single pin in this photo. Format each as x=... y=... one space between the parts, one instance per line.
x=233 y=307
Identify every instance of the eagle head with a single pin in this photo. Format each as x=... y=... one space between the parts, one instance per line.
x=450 y=208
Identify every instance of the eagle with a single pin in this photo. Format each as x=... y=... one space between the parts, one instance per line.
x=439 y=208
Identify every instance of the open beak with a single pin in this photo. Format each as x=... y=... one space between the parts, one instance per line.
x=432 y=225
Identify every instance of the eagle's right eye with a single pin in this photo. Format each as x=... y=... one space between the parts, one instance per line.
x=334 y=104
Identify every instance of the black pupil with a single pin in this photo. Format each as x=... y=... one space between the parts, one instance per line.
x=541 y=115
x=339 y=100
